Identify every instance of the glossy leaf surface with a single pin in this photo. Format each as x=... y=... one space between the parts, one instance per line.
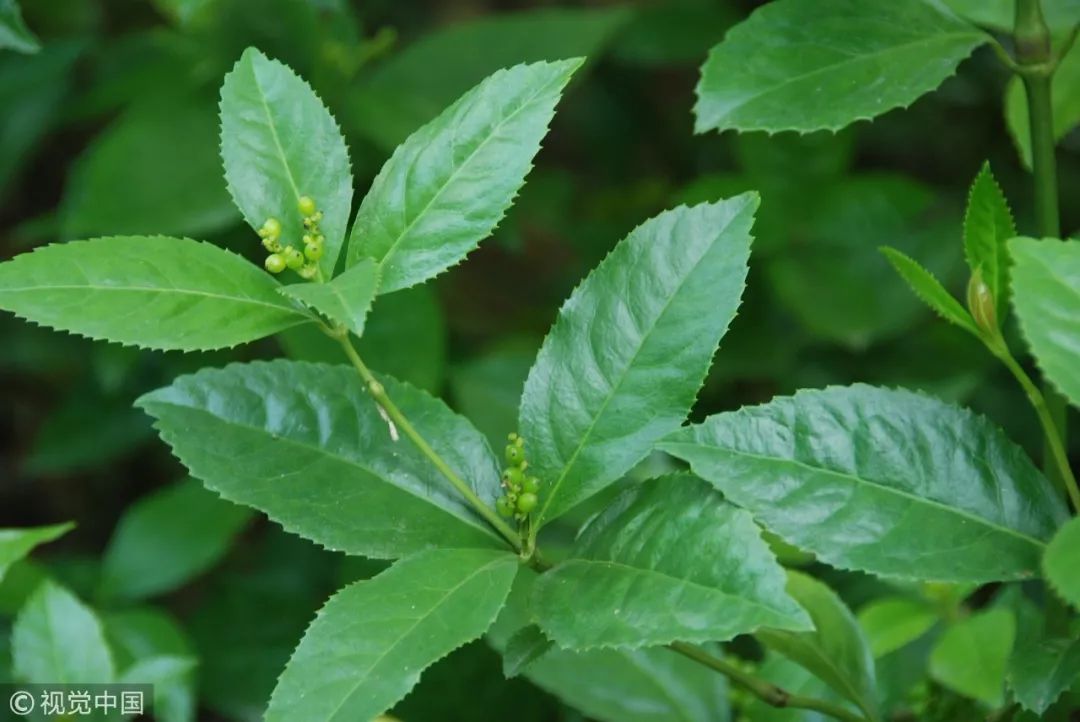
x=1046 y=296
x=279 y=143
x=446 y=188
x=625 y=359
x=885 y=481
x=306 y=444
x=667 y=561
x=368 y=645
x=148 y=291
x=822 y=64
x=526 y=646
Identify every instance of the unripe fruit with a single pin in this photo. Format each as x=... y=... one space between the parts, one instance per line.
x=502 y=505
x=526 y=502
x=294 y=259
x=514 y=454
x=531 y=484
x=313 y=252
x=271 y=229
x=306 y=205
x=275 y=263
x=514 y=476
x=308 y=272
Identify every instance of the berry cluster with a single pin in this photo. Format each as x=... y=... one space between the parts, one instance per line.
x=281 y=257
x=520 y=497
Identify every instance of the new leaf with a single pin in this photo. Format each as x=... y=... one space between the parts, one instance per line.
x=885 y=481
x=369 y=644
x=667 y=561
x=278 y=143
x=149 y=291
x=56 y=639
x=631 y=347
x=346 y=299
x=446 y=188
x=17 y=543
x=809 y=65
x=307 y=445
x=988 y=226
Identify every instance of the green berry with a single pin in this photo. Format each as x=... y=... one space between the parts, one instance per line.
x=502 y=505
x=308 y=272
x=294 y=259
x=275 y=263
x=313 y=252
x=306 y=205
x=526 y=502
x=514 y=454
x=271 y=229
x=514 y=476
x=531 y=484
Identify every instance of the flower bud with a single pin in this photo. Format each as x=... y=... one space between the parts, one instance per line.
x=306 y=205
x=275 y=263
x=981 y=303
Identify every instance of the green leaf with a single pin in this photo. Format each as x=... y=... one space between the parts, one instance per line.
x=1001 y=14
x=172 y=679
x=165 y=539
x=345 y=300
x=17 y=543
x=368 y=645
x=988 y=225
x=307 y=445
x=631 y=347
x=154 y=170
x=403 y=93
x=278 y=143
x=56 y=639
x=526 y=646
x=148 y=291
x=446 y=188
x=836 y=651
x=668 y=560
x=1064 y=101
x=14 y=34
x=823 y=64
x=930 y=290
x=1046 y=297
x=616 y=685
x=795 y=679
x=885 y=481
x=894 y=622
x=1061 y=565
x=1041 y=669
x=863 y=301
x=970 y=657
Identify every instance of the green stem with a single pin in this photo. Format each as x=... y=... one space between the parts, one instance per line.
x=379 y=394
x=1037 y=66
x=764 y=690
x=1056 y=456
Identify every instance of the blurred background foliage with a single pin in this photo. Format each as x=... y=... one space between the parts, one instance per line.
x=111 y=128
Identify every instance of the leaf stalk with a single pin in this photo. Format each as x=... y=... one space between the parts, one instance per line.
x=767 y=692
x=378 y=392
